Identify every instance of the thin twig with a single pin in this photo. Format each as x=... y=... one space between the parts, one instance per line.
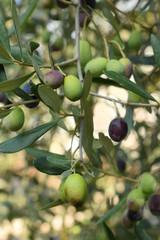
x=125 y=103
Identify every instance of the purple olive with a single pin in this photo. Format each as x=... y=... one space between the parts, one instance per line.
x=27 y=88
x=118 y=129
x=154 y=204
x=54 y=79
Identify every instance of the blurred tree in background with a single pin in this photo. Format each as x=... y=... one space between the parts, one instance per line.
x=61 y=136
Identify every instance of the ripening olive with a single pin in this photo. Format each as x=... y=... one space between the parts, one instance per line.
x=127 y=66
x=135 y=200
x=54 y=79
x=115 y=66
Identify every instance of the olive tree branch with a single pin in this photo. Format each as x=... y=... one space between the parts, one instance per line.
x=115 y=175
x=125 y=103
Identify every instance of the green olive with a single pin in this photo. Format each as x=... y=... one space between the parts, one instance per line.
x=115 y=66
x=85 y=52
x=96 y=66
x=75 y=189
x=15 y=120
x=72 y=88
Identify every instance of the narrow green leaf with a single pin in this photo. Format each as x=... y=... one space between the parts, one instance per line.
x=43 y=153
x=111 y=212
x=52 y=204
x=140 y=233
x=86 y=88
x=4 y=40
x=109 y=149
x=60 y=122
x=87 y=137
x=15 y=52
x=129 y=85
x=155 y=42
x=24 y=17
x=49 y=97
x=3 y=76
x=4 y=55
x=16 y=25
x=52 y=165
x=129 y=118
x=108 y=232
x=36 y=67
x=22 y=94
x=4 y=113
x=25 y=139
x=14 y=83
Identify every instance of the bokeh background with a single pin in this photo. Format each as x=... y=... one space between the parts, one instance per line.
x=23 y=189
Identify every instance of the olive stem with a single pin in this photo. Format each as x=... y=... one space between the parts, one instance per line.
x=77 y=30
x=115 y=175
x=19 y=103
x=125 y=103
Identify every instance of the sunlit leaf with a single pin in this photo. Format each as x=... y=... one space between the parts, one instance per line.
x=129 y=85
x=15 y=52
x=14 y=83
x=25 y=139
x=49 y=97
x=5 y=57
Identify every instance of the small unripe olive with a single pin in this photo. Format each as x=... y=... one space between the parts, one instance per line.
x=85 y=52
x=72 y=88
x=127 y=66
x=54 y=79
x=135 y=39
x=96 y=66
x=57 y=44
x=75 y=189
x=45 y=36
x=15 y=120
x=115 y=66
x=135 y=200
x=148 y=183
x=62 y=191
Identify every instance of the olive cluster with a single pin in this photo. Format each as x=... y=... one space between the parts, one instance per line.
x=137 y=198
x=73 y=189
